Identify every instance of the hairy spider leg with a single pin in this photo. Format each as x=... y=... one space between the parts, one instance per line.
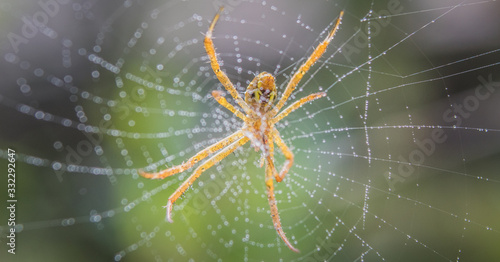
x=286 y=152
x=197 y=172
x=317 y=53
x=221 y=100
x=277 y=138
x=296 y=105
x=269 y=155
x=195 y=159
x=210 y=48
x=274 y=208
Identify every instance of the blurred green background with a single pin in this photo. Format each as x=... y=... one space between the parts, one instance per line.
x=94 y=90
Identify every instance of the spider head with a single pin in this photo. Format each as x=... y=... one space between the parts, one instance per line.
x=261 y=92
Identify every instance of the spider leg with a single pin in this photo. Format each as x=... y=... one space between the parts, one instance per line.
x=193 y=160
x=288 y=156
x=297 y=104
x=317 y=53
x=221 y=100
x=262 y=160
x=274 y=209
x=210 y=48
x=269 y=155
x=197 y=172
x=277 y=138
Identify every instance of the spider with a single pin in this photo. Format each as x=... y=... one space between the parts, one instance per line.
x=259 y=117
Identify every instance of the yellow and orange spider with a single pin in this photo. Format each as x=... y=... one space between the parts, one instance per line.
x=259 y=120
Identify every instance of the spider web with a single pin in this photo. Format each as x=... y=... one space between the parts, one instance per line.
x=397 y=163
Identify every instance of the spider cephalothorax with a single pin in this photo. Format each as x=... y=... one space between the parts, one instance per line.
x=259 y=117
x=261 y=92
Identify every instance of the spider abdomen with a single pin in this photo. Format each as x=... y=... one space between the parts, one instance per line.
x=258 y=130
